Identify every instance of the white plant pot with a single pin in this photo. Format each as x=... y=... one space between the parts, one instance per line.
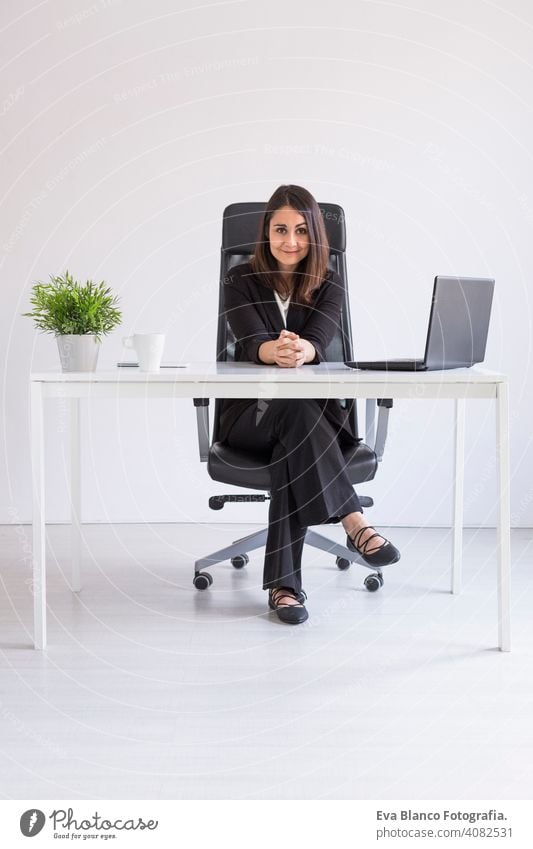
x=78 y=353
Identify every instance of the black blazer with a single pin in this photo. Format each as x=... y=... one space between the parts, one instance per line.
x=254 y=317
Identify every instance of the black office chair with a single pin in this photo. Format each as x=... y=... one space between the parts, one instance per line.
x=239 y=468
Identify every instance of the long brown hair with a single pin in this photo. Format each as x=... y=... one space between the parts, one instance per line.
x=310 y=272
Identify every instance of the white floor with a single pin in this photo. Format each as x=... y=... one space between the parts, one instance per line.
x=152 y=689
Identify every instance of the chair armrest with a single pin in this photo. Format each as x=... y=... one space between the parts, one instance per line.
x=376 y=435
x=202 y=425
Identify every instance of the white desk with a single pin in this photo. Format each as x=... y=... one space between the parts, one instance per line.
x=245 y=380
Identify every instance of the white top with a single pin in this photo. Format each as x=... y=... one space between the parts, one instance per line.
x=283 y=305
x=250 y=380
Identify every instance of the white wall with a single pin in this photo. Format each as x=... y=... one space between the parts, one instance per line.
x=128 y=126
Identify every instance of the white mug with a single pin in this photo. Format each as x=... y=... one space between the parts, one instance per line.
x=148 y=347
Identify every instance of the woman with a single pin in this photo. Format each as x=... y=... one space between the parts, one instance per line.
x=284 y=307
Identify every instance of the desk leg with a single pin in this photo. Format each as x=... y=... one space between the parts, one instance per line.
x=459 y=479
x=38 y=517
x=75 y=494
x=504 y=519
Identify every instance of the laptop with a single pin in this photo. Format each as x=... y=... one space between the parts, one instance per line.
x=457 y=331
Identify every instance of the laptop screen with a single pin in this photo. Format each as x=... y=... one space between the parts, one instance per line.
x=459 y=321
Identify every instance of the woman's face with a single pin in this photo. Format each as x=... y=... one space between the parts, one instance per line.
x=289 y=237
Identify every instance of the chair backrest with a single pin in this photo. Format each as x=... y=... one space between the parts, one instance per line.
x=240 y=227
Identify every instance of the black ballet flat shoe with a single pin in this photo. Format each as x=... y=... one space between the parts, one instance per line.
x=291 y=614
x=385 y=555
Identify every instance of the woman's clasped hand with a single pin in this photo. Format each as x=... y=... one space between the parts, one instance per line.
x=287 y=351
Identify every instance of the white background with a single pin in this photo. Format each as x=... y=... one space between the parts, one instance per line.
x=127 y=127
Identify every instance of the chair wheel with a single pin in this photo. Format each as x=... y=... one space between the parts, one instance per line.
x=373 y=582
x=202 y=580
x=343 y=564
x=239 y=561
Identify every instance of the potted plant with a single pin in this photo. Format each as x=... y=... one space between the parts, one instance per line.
x=78 y=315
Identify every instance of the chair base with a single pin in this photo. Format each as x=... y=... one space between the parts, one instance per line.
x=239 y=549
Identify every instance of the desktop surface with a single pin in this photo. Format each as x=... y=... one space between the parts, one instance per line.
x=246 y=372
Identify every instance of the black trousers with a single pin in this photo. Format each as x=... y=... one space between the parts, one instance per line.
x=309 y=482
